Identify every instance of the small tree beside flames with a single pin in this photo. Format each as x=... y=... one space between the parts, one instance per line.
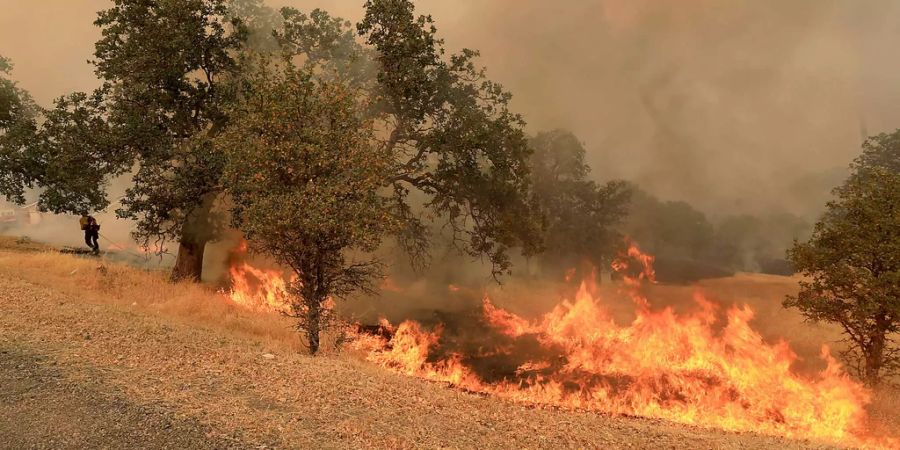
x=852 y=261
x=304 y=179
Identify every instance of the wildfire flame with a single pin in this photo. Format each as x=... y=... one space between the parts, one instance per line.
x=257 y=289
x=264 y=290
x=662 y=365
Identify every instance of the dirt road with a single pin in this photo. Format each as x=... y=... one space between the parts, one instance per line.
x=96 y=369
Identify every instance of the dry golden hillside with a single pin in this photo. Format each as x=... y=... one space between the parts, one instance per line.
x=101 y=354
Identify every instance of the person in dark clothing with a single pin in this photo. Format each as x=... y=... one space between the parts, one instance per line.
x=91 y=232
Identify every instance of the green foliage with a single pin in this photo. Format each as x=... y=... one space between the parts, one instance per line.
x=76 y=150
x=171 y=69
x=882 y=150
x=327 y=46
x=852 y=261
x=457 y=154
x=451 y=137
x=163 y=62
x=580 y=216
x=17 y=131
x=304 y=178
x=260 y=22
x=69 y=155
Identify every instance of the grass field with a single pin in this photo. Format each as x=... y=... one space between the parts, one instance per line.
x=185 y=348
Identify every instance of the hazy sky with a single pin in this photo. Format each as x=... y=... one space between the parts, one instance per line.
x=723 y=103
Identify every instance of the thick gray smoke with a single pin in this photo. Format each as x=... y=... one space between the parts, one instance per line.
x=732 y=106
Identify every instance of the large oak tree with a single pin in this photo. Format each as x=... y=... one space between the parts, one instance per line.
x=162 y=62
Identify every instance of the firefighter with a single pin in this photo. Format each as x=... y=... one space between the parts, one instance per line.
x=91 y=232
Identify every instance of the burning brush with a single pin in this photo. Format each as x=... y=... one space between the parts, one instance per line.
x=662 y=365
x=696 y=369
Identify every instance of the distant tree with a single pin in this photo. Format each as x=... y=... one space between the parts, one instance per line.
x=668 y=229
x=757 y=242
x=852 y=261
x=581 y=217
x=306 y=181
x=260 y=23
x=18 y=124
x=456 y=153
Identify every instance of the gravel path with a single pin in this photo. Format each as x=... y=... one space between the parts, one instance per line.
x=94 y=371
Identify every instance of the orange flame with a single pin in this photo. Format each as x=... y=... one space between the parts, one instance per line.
x=662 y=365
x=258 y=289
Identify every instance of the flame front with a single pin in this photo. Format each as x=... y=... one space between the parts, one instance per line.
x=254 y=288
x=259 y=289
x=662 y=365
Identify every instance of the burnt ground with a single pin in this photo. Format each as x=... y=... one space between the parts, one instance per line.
x=110 y=367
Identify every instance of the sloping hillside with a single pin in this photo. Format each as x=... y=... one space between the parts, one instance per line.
x=176 y=365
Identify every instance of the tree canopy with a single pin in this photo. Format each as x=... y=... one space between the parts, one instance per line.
x=457 y=154
x=307 y=181
x=77 y=151
x=452 y=136
x=668 y=229
x=163 y=62
x=18 y=115
x=852 y=261
x=581 y=217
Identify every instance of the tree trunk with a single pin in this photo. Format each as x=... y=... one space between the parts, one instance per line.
x=873 y=367
x=195 y=233
x=189 y=263
x=313 y=327
x=874 y=354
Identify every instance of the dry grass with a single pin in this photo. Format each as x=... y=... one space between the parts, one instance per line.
x=188 y=347
x=21 y=244
x=102 y=281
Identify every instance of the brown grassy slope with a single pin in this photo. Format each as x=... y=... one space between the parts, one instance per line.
x=182 y=346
